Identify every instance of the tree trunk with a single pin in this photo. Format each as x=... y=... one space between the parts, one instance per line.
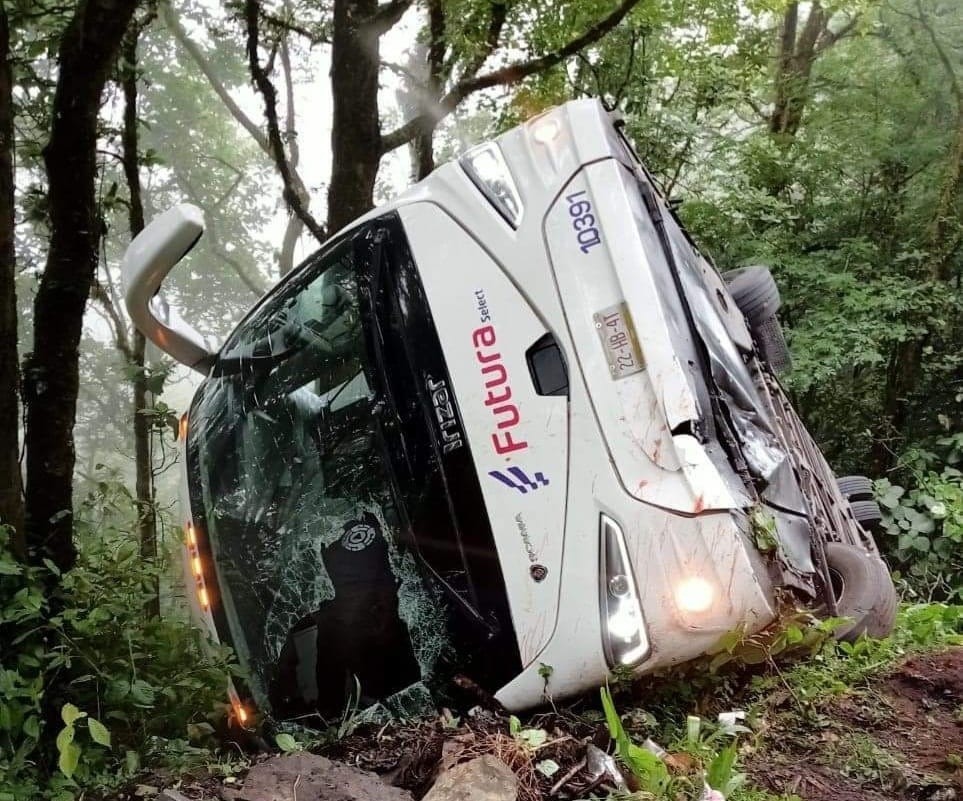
x=295 y=225
x=794 y=68
x=423 y=144
x=423 y=153
x=902 y=376
x=355 y=134
x=143 y=463
x=51 y=374
x=11 y=491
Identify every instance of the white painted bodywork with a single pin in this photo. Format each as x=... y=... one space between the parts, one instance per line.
x=608 y=447
x=148 y=260
x=609 y=441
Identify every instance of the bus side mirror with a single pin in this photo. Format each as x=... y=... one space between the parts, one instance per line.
x=149 y=258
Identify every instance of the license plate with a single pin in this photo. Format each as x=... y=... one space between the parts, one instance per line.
x=617 y=334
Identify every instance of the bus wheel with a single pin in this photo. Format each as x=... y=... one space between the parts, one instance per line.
x=864 y=592
x=755 y=292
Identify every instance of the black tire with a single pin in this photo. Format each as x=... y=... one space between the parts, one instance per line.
x=855 y=488
x=864 y=592
x=867 y=513
x=884 y=618
x=755 y=292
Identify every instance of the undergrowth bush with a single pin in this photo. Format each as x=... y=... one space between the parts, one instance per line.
x=923 y=522
x=91 y=689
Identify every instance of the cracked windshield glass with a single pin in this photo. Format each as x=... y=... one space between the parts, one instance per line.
x=293 y=490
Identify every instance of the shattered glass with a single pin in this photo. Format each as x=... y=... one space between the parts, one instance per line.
x=291 y=486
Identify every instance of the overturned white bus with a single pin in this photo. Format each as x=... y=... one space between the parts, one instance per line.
x=522 y=374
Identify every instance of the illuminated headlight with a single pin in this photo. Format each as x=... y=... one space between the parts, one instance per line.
x=487 y=169
x=544 y=131
x=694 y=594
x=624 y=637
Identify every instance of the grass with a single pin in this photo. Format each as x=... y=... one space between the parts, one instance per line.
x=788 y=694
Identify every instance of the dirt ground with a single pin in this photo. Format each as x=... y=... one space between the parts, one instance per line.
x=902 y=740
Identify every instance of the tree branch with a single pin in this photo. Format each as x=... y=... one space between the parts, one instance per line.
x=172 y=22
x=495 y=24
x=295 y=225
x=386 y=17
x=295 y=194
x=99 y=295
x=505 y=76
x=290 y=26
x=254 y=282
x=829 y=38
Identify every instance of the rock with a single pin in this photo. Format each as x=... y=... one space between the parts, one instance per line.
x=171 y=795
x=485 y=778
x=307 y=777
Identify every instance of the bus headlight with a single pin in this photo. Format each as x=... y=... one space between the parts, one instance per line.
x=544 y=131
x=694 y=594
x=624 y=638
x=486 y=167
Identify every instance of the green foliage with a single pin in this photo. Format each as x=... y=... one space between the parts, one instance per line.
x=703 y=755
x=127 y=689
x=287 y=743
x=923 y=525
x=649 y=769
x=839 y=667
x=68 y=749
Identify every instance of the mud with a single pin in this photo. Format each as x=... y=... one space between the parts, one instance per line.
x=903 y=739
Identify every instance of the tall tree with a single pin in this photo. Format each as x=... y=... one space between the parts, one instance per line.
x=354 y=29
x=944 y=235
x=86 y=56
x=11 y=491
x=295 y=192
x=798 y=50
x=143 y=462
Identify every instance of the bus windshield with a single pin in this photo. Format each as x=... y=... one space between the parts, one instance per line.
x=289 y=481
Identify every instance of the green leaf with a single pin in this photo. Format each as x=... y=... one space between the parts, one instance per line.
x=31 y=727
x=514 y=726
x=647 y=767
x=9 y=568
x=71 y=714
x=547 y=767
x=65 y=737
x=69 y=759
x=142 y=693
x=287 y=743
x=693 y=725
x=99 y=733
x=721 y=768
x=533 y=738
